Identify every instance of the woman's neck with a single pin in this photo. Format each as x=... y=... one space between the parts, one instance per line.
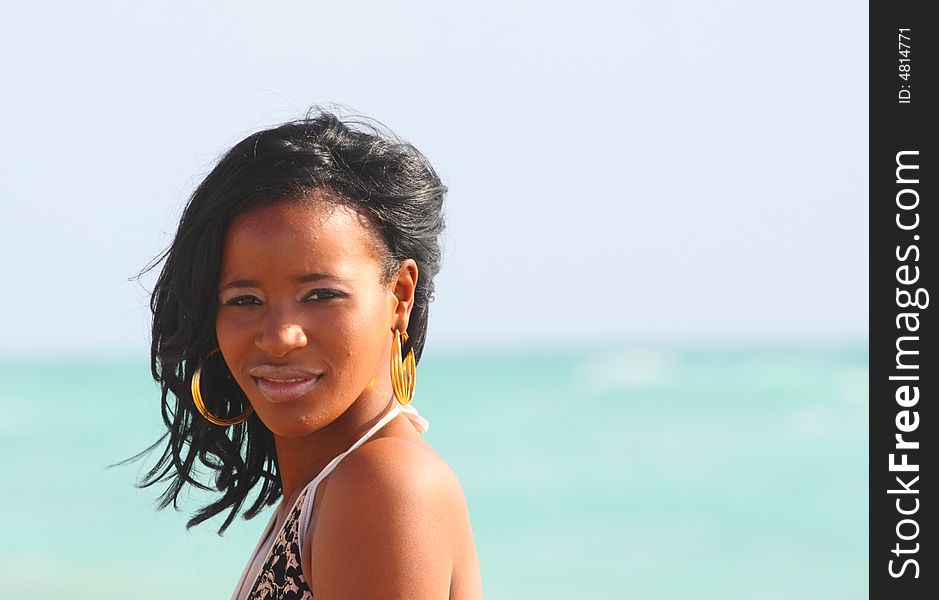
x=300 y=460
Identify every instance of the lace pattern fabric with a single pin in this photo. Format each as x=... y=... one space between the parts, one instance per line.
x=281 y=577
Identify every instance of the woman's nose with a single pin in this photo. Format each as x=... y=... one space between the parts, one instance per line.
x=280 y=336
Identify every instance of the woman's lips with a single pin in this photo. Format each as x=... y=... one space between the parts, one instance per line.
x=285 y=390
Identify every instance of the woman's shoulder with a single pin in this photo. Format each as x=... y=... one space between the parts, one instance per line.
x=395 y=500
x=394 y=469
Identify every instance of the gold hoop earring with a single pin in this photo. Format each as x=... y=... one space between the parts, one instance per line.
x=403 y=372
x=200 y=404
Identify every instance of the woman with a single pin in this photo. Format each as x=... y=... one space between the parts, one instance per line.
x=288 y=320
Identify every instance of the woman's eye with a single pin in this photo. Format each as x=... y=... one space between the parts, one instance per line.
x=243 y=301
x=322 y=294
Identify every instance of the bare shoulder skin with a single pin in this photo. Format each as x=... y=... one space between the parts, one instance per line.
x=391 y=521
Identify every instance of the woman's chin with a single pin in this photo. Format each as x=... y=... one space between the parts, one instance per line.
x=296 y=419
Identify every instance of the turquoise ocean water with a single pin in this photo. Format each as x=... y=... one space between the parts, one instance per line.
x=639 y=473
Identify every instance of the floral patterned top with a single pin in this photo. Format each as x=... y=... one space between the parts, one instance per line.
x=281 y=577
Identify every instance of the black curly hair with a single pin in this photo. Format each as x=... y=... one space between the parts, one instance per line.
x=358 y=164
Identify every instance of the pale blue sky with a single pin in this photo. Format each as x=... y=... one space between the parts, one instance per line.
x=618 y=172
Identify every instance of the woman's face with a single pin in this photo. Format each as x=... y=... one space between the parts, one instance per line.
x=304 y=322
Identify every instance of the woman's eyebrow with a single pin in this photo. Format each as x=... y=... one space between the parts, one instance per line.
x=308 y=277
x=305 y=278
x=240 y=283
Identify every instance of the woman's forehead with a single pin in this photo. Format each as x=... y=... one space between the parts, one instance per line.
x=294 y=232
x=297 y=218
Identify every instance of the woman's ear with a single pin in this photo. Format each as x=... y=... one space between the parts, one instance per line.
x=405 y=286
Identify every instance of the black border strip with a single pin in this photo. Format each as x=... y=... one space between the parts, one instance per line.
x=903 y=231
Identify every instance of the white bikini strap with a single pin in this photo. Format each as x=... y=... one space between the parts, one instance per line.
x=304 y=524
x=419 y=422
